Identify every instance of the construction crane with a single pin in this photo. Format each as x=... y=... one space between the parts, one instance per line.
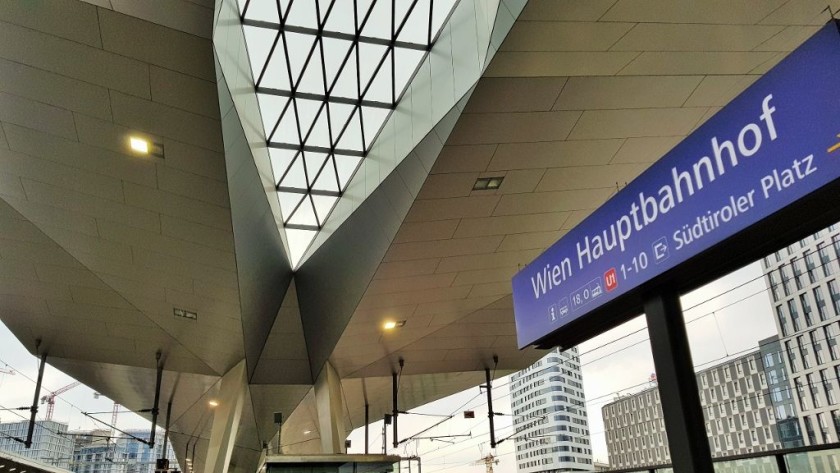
x=49 y=399
x=488 y=462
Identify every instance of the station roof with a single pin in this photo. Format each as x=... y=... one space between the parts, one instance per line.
x=100 y=248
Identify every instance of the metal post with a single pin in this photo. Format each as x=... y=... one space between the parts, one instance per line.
x=781 y=464
x=155 y=408
x=490 y=414
x=367 y=416
x=166 y=432
x=677 y=382
x=394 y=412
x=34 y=408
x=385 y=436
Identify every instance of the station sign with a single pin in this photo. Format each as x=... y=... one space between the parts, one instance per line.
x=771 y=146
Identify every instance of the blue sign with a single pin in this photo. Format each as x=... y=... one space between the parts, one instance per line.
x=774 y=144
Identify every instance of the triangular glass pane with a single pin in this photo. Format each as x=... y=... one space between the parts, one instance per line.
x=288 y=202
x=379 y=23
x=352 y=137
x=347 y=84
x=339 y=114
x=262 y=10
x=258 y=41
x=369 y=57
x=307 y=111
x=400 y=11
x=314 y=162
x=440 y=13
x=335 y=50
x=303 y=13
x=277 y=74
x=324 y=10
x=323 y=206
x=305 y=214
x=280 y=161
x=327 y=180
x=407 y=61
x=416 y=29
x=313 y=78
x=362 y=8
x=341 y=18
x=374 y=119
x=346 y=166
x=299 y=241
x=271 y=106
x=287 y=131
x=298 y=46
x=295 y=178
x=320 y=134
x=380 y=87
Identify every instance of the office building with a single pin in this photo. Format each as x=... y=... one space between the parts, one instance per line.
x=738 y=410
x=96 y=452
x=804 y=287
x=551 y=430
x=50 y=443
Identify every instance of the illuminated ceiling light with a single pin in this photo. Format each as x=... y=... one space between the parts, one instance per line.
x=213 y=403
x=488 y=183
x=392 y=324
x=139 y=144
x=307 y=432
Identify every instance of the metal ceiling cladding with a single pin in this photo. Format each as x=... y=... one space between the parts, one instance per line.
x=766 y=150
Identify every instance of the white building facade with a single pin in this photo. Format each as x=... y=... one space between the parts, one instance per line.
x=551 y=429
x=50 y=443
x=804 y=289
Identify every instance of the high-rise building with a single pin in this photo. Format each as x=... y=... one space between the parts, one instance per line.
x=551 y=429
x=50 y=443
x=739 y=408
x=96 y=453
x=139 y=457
x=804 y=288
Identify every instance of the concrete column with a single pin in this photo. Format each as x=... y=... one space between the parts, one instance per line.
x=226 y=419
x=330 y=409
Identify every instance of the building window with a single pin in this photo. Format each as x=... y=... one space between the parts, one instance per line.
x=774 y=286
x=825 y=259
x=797 y=274
x=815 y=390
x=811 y=265
x=831 y=340
x=820 y=301
x=794 y=315
x=807 y=311
x=834 y=291
x=785 y=279
x=827 y=387
x=803 y=352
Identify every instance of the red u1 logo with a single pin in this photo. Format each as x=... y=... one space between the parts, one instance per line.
x=611 y=279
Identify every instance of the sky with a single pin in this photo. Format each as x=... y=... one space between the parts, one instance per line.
x=723 y=318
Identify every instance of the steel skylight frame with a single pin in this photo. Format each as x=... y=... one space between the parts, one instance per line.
x=329 y=157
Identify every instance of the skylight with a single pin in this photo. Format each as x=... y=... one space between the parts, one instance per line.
x=328 y=74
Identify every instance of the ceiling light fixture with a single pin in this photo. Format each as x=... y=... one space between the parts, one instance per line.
x=213 y=403
x=488 y=183
x=307 y=432
x=141 y=145
x=392 y=324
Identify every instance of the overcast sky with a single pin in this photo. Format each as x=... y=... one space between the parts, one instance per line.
x=725 y=317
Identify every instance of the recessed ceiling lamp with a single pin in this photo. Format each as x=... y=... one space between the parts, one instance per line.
x=307 y=432
x=213 y=403
x=141 y=145
x=488 y=183
x=392 y=324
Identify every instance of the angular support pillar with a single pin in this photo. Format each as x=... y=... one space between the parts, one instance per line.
x=330 y=410
x=226 y=417
x=677 y=382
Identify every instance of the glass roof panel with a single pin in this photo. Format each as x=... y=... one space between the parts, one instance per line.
x=327 y=77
